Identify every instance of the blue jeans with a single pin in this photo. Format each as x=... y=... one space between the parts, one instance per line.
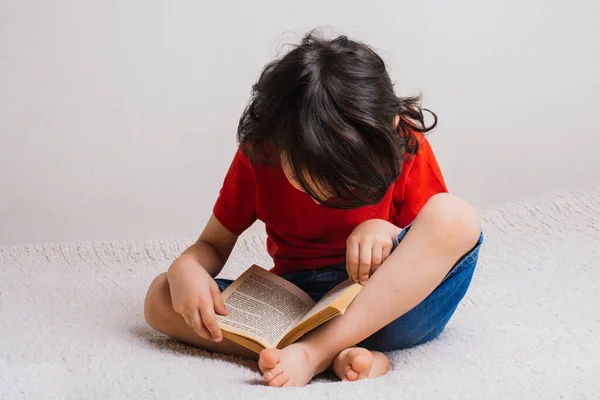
x=421 y=324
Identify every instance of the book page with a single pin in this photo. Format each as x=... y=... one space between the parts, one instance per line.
x=331 y=305
x=329 y=298
x=263 y=306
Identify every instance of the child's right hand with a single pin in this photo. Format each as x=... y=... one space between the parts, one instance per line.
x=196 y=297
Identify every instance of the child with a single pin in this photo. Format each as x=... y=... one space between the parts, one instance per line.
x=338 y=169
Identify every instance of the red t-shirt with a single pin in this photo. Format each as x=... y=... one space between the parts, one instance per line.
x=304 y=235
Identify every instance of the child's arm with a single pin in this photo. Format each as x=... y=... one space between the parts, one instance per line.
x=194 y=293
x=213 y=247
x=371 y=242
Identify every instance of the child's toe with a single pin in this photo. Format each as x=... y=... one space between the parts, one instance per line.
x=268 y=359
x=279 y=380
x=271 y=374
x=351 y=375
x=284 y=380
x=362 y=361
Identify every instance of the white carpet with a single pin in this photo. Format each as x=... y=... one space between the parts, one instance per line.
x=71 y=324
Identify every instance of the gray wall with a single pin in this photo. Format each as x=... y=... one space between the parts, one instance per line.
x=118 y=118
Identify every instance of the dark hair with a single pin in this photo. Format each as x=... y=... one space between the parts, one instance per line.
x=329 y=107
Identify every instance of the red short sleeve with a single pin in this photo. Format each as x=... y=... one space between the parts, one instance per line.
x=235 y=207
x=421 y=178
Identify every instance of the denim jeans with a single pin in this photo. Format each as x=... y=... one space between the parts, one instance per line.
x=419 y=325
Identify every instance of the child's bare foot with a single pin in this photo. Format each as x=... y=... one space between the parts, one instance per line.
x=356 y=363
x=293 y=366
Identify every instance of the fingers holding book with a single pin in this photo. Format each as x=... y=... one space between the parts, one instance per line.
x=196 y=297
x=207 y=310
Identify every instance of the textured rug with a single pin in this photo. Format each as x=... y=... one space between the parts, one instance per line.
x=71 y=323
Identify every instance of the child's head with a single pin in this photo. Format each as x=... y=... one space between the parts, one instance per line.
x=328 y=111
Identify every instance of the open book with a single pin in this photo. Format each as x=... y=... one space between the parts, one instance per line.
x=266 y=311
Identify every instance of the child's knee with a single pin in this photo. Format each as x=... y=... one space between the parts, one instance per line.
x=157 y=306
x=453 y=218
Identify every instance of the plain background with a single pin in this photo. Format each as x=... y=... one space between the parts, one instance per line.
x=118 y=118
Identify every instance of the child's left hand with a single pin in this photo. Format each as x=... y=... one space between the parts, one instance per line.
x=368 y=246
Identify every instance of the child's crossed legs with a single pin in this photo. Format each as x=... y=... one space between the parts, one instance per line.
x=401 y=306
